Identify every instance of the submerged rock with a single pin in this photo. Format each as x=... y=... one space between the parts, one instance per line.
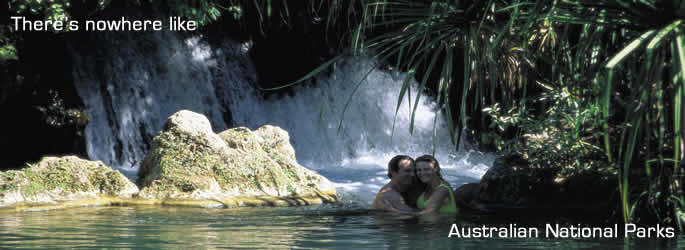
x=55 y=180
x=189 y=163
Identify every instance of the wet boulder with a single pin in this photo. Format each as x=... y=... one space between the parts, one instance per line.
x=188 y=164
x=63 y=181
x=504 y=183
x=512 y=183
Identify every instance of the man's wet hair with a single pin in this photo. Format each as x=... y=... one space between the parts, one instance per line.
x=394 y=164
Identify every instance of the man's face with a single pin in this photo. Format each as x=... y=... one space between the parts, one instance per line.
x=405 y=175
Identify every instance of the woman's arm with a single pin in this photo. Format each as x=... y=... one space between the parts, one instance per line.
x=436 y=200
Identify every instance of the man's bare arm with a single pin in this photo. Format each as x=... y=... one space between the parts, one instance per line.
x=393 y=201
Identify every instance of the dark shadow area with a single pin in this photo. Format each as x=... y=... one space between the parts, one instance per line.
x=43 y=113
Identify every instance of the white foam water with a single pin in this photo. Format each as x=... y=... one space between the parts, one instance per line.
x=354 y=153
x=134 y=82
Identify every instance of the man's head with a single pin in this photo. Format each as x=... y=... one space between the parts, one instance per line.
x=401 y=171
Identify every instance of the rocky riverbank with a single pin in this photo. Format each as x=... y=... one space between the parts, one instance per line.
x=511 y=186
x=188 y=164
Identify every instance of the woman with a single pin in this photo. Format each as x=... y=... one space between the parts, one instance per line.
x=438 y=194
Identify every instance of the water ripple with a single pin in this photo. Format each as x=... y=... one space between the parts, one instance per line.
x=296 y=228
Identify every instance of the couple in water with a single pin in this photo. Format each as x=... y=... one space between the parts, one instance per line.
x=415 y=187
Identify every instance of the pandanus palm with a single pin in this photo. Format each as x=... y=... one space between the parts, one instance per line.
x=640 y=48
x=623 y=61
x=612 y=72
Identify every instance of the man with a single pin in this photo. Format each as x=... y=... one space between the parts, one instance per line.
x=401 y=173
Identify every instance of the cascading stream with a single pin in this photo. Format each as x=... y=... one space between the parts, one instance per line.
x=130 y=83
x=133 y=83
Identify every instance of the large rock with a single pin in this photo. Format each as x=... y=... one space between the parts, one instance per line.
x=504 y=183
x=56 y=180
x=188 y=162
x=511 y=183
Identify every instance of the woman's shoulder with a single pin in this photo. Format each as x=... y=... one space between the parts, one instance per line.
x=443 y=189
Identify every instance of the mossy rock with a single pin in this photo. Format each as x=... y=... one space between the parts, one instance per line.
x=276 y=142
x=55 y=180
x=513 y=183
x=504 y=183
x=188 y=161
x=242 y=139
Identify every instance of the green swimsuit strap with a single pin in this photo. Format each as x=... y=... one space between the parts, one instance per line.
x=422 y=202
x=451 y=207
x=449 y=189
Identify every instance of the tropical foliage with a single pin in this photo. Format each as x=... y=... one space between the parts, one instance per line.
x=582 y=84
x=569 y=84
x=573 y=84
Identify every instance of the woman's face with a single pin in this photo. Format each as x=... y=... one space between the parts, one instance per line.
x=425 y=171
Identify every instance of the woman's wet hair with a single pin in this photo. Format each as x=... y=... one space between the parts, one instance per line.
x=430 y=160
x=394 y=164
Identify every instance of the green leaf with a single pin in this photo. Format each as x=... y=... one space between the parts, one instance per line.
x=628 y=49
x=420 y=90
x=309 y=75
x=349 y=99
x=405 y=87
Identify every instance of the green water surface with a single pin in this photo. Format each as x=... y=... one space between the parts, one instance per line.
x=326 y=226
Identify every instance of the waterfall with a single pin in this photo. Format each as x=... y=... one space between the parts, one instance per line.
x=130 y=84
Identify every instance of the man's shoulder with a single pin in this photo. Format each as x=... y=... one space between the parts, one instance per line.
x=386 y=193
x=389 y=199
x=388 y=190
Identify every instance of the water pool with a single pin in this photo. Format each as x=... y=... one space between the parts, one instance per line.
x=325 y=226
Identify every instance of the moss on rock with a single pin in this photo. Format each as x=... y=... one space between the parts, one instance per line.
x=188 y=161
x=56 y=179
